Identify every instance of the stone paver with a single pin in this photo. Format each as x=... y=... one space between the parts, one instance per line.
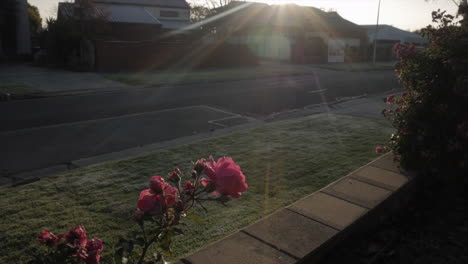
x=239 y=248
x=292 y=232
x=386 y=162
x=309 y=228
x=358 y=192
x=329 y=210
x=380 y=177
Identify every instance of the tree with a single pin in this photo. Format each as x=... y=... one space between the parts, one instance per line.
x=35 y=20
x=199 y=12
x=217 y=3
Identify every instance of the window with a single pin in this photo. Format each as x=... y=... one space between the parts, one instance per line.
x=168 y=13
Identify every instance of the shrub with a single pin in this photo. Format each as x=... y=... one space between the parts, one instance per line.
x=160 y=211
x=431 y=116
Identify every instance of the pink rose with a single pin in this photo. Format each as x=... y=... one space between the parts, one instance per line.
x=189 y=186
x=379 y=149
x=94 y=248
x=76 y=236
x=157 y=184
x=151 y=202
x=227 y=176
x=47 y=238
x=391 y=99
x=170 y=195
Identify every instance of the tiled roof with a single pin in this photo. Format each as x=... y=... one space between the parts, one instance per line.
x=128 y=14
x=387 y=32
x=290 y=15
x=165 y=3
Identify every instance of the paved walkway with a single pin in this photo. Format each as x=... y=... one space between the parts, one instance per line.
x=309 y=228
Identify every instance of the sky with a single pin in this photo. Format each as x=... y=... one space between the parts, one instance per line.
x=404 y=14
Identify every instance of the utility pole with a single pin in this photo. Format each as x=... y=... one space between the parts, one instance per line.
x=375 y=35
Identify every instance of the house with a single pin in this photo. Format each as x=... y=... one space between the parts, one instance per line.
x=387 y=36
x=131 y=20
x=289 y=32
x=15 y=38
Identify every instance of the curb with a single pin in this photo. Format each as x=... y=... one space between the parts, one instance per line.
x=11 y=97
x=26 y=177
x=310 y=228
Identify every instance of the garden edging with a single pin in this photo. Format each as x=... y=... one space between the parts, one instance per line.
x=308 y=229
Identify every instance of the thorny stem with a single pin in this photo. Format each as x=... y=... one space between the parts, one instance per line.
x=148 y=243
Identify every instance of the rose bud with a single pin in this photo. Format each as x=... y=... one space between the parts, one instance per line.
x=76 y=236
x=189 y=187
x=47 y=238
x=157 y=184
x=199 y=166
x=379 y=149
x=170 y=195
x=94 y=249
x=174 y=176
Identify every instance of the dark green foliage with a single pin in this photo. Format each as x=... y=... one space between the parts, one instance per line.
x=35 y=20
x=431 y=117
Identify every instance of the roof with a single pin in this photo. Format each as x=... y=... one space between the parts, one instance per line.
x=387 y=32
x=65 y=9
x=162 y=3
x=128 y=14
x=289 y=15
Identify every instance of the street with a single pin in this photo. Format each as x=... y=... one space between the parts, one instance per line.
x=39 y=133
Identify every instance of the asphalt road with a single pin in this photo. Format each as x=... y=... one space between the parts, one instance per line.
x=38 y=133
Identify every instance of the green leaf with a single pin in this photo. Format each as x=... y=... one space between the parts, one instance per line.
x=127 y=247
x=178 y=231
x=139 y=241
x=118 y=255
x=166 y=252
x=194 y=218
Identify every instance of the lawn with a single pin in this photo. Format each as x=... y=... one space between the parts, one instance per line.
x=283 y=161
x=358 y=66
x=15 y=88
x=191 y=76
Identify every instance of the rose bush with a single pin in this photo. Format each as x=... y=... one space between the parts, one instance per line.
x=430 y=117
x=71 y=247
x=163 y=206
x=159 y=211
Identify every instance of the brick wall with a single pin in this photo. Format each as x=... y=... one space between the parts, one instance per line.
x=153 y=55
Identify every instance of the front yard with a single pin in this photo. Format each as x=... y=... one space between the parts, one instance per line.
x=283 y=162
x=10 y=87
